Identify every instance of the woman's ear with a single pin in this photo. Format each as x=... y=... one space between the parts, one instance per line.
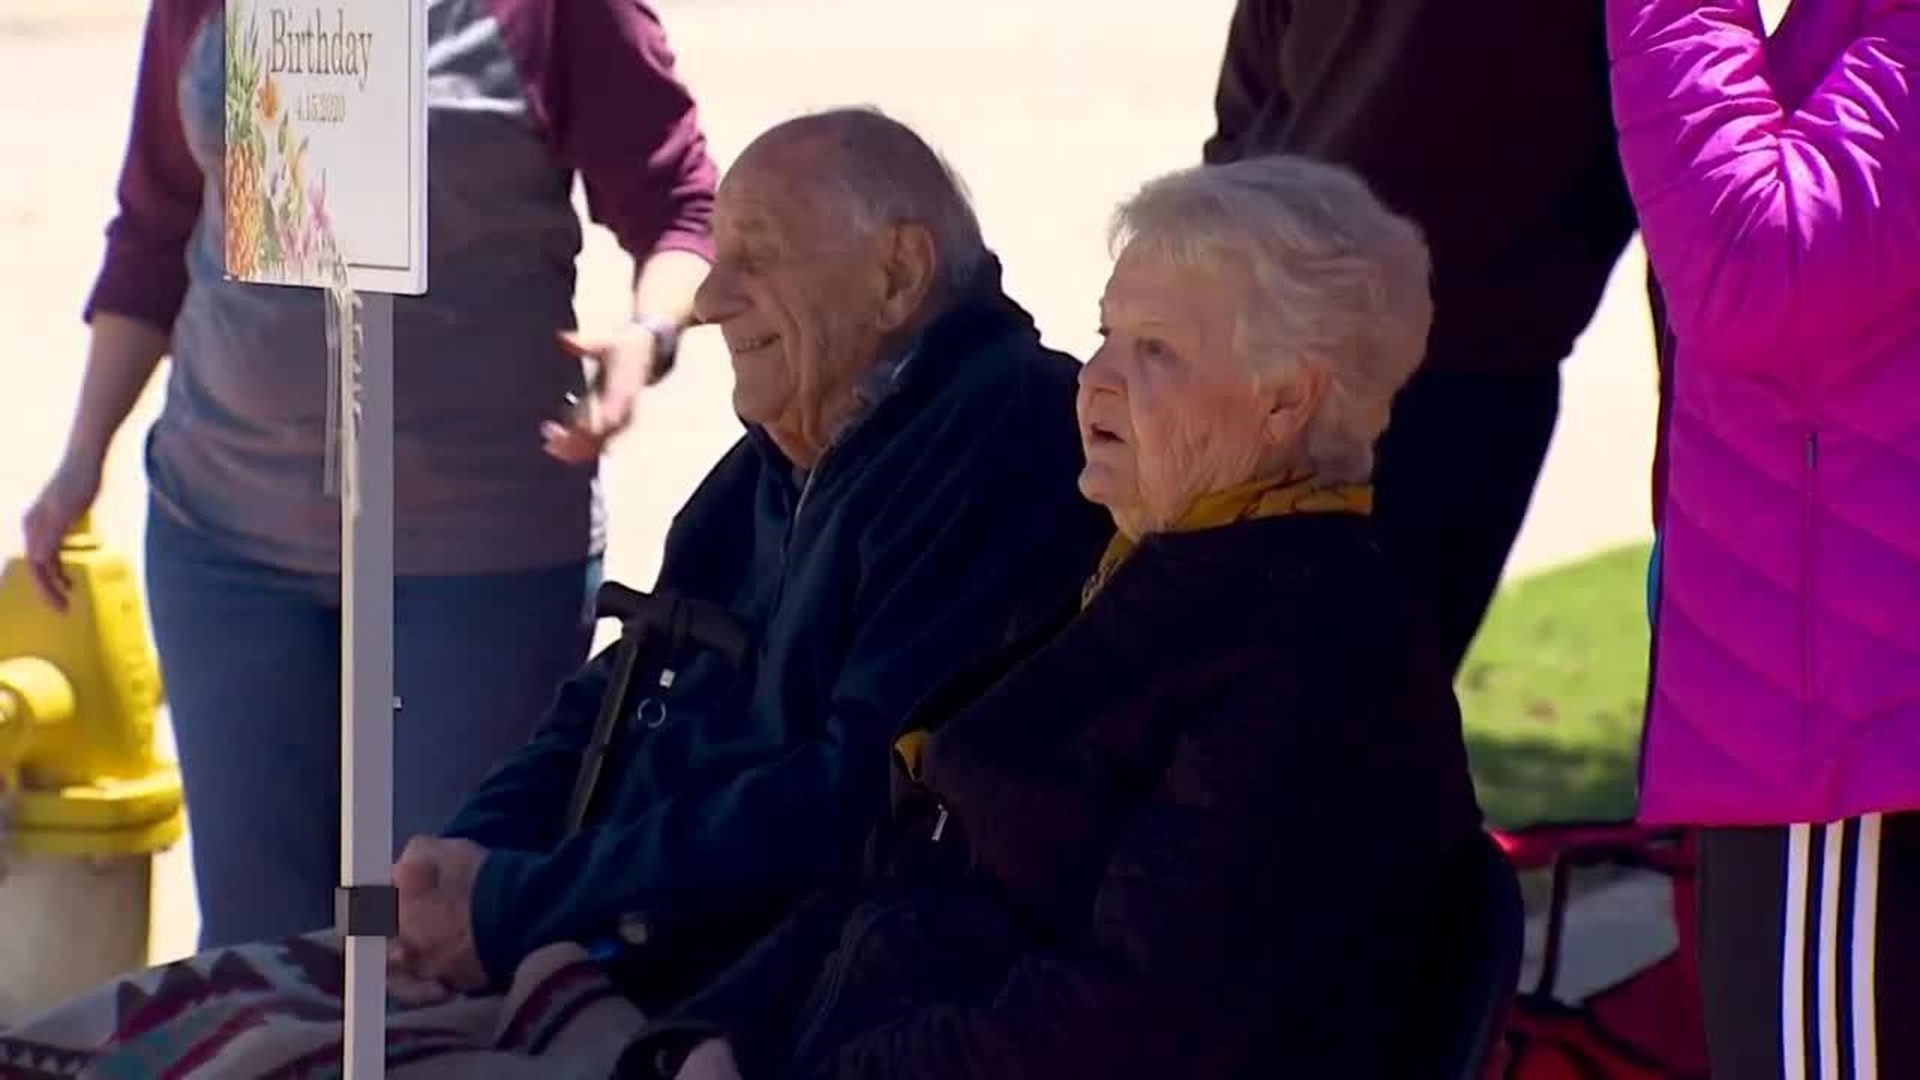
x=910 y=264
x=1291 y=401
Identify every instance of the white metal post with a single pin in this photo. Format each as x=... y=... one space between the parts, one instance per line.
x=326 y=133
x=366 y=672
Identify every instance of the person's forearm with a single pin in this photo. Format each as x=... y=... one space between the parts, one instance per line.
x=1249 y=83
x=664 y=285
x=121 y=356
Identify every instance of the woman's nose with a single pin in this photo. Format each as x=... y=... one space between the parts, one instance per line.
x=1098 y=370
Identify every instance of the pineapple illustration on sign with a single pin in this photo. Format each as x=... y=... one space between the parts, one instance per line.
x=276 y=217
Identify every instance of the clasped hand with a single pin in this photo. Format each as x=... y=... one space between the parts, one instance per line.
x=434 y=954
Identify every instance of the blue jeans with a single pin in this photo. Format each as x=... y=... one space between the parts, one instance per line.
x=250 y=655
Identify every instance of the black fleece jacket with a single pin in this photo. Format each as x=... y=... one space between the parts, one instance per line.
x=1193 y=834
x=912 y=548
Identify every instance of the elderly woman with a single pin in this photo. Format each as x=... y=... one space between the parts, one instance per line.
x=1188 y=832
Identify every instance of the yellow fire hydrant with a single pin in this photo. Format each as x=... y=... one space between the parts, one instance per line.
x=85 y=801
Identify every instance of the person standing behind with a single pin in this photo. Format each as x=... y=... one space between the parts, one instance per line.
x=1778 y=184
x=1490 y=129
x=498 y=522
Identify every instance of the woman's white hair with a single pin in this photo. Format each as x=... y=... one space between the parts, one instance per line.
x=1337 y=280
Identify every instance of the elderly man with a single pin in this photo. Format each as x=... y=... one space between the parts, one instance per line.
x=904 y=498
x=1489 y=125
x=904 y=489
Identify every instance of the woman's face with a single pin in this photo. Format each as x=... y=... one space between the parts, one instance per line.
x=1168 y=411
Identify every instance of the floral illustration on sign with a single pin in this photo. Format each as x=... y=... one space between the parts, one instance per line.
x=277 y=223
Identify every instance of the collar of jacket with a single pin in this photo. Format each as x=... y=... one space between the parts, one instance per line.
x=1233 y=571
x=1243 y=570
x=912 y=377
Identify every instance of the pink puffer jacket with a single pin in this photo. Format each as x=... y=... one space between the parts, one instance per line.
x=1779 y=199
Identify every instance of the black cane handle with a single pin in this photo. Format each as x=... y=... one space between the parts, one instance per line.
x=647 y=621
x=683 y=620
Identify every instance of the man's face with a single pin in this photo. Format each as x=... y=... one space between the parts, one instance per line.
x=799 y=299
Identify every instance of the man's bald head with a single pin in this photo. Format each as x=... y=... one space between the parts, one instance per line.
x=838 y=238
x=872 y=172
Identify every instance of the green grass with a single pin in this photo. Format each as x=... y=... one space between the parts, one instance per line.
x=1552 y=690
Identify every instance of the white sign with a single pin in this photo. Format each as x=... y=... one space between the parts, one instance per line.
x=327 y=143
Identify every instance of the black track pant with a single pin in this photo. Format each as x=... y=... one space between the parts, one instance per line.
x=1810 y=950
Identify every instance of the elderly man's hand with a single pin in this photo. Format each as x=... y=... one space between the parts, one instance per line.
x=626 y=363
x=435 y=878
x=411 y=991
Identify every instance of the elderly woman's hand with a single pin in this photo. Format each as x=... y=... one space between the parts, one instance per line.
x=711 y=1060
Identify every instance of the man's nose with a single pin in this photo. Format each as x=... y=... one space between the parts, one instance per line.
x=716 y=300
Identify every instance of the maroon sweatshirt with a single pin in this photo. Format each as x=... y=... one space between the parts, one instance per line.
x=1487 y=122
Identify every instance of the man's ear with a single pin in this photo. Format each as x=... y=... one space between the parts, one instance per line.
x=1291 y=401
x=910 y=265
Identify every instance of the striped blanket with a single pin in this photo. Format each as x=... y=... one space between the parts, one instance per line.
x=273 y=1012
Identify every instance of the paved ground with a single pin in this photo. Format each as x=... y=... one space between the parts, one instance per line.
x=1049 y=118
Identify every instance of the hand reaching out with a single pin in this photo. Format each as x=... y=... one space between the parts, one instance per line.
x=626 y=363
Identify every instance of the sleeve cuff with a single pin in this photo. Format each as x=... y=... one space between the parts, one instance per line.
x=692 y=241
x=139 y=290
x=496 y=920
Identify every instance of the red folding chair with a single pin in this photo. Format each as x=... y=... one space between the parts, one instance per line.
x=1645 y=1026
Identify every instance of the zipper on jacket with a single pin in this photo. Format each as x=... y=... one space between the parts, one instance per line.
x=800 y=504
x=1809 y=569
x=895 y=370
x=793 y=531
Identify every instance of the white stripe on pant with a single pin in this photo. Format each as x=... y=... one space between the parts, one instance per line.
x=1866 y=909
x=1818 y=910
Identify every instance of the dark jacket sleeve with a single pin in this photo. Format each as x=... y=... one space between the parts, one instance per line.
x=144 y=274
x=521 y=805
x=1203 y=932
x=1249 y=86
x=934 y=595
x=600 y=78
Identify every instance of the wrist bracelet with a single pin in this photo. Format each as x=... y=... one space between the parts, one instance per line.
x=666 y=343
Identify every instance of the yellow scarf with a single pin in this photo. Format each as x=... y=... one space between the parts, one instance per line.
x=1298 y=493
